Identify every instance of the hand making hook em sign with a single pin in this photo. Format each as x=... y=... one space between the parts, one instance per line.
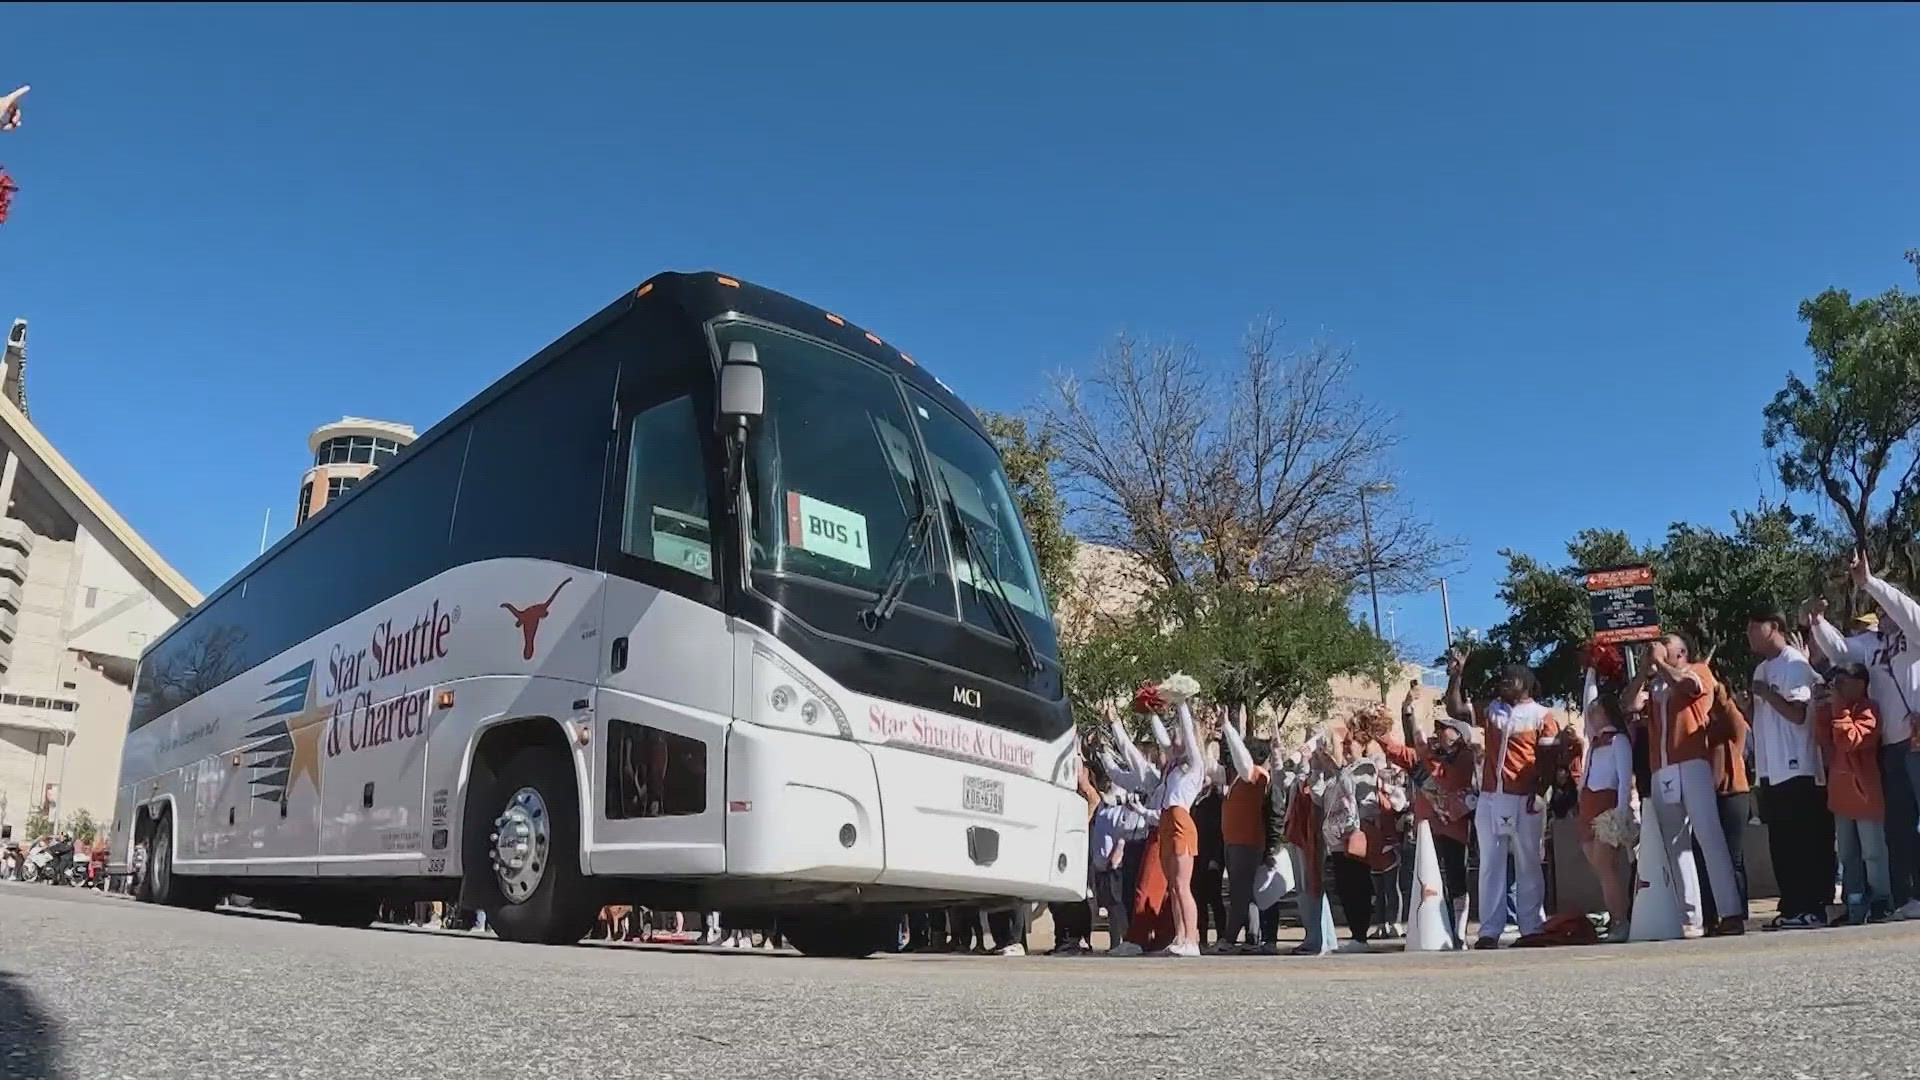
x=10 y=109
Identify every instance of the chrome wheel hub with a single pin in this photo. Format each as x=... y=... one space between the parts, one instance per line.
x=521 y=836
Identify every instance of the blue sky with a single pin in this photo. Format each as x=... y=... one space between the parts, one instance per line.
x=1566 y=244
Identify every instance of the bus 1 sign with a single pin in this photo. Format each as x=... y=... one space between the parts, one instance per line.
x=1623 y=608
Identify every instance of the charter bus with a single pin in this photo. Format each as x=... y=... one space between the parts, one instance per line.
x=718 y=603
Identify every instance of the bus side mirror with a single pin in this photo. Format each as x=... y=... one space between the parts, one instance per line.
x=742 y=393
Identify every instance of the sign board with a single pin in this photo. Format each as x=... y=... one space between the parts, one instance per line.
x=1623 y=608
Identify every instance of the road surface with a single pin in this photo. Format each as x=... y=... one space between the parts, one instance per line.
x=93 y=986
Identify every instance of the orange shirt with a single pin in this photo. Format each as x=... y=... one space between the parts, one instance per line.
x=1243 y=818
x=1680 y=717
x=1727 y=743
x=1512 y=735
x=1850 y=738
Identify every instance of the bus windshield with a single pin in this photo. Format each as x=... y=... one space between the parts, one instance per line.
x=837 y=473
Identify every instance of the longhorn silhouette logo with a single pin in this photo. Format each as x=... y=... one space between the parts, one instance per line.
x=528 y=619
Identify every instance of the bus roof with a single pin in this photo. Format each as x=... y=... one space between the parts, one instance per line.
x=700 y=296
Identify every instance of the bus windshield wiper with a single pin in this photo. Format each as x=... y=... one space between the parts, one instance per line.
x=977 y=566
x=899 y=571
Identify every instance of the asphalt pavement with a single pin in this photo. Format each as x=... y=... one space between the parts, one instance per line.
x=94 y=986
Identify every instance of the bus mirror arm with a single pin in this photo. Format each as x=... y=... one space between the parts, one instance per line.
x=742 y=400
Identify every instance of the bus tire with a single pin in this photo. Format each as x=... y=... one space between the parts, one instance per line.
x=161 y=884
x=523 y=852
x=845 y=937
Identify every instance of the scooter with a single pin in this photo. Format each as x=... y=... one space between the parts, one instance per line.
x=12 y=860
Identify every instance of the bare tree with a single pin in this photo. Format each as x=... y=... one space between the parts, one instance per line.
x=1244 y=474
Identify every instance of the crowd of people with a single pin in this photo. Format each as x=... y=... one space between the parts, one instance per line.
x=1193 y=826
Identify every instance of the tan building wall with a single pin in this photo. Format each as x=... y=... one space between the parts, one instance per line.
x=75 y=611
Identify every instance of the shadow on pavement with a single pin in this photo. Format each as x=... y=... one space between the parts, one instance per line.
x=29 y=1038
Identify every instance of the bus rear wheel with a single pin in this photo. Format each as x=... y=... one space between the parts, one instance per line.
x=523 y=852
x=847 y=937
x=158 y=884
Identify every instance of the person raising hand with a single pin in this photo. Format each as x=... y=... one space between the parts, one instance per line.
x=10 y=109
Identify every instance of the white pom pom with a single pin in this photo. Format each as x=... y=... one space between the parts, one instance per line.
x=1615 y=828
x=1179 y=687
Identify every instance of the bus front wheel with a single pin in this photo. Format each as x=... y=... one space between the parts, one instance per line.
x=524 y=853
x=848 y=937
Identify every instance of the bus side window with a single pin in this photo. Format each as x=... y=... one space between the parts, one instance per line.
x=666 y=517
x=654 y=773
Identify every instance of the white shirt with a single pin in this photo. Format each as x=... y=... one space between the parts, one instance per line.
x=1891 y=656
x=1610 y=767
x=1783 y=749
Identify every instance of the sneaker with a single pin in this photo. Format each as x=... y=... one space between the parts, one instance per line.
x=1692 y=932
x=1356 y=947
x=1487 y=943
x=1306 y=949
x=1619 y=933
x=1183 y=949
x=1221 y=948
x=1015 y=949
x=1909 y=910
x=1731 y=926
x=1271 y=948
x=1875 y=918
x=1125 y=948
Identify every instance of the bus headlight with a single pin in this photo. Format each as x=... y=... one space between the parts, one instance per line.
x=1066 y=773
x=785 y=697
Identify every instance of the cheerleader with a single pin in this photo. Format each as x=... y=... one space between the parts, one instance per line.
x=1509 y=816
x=1609 y=827
x=1151 y=925
x=1181 y=783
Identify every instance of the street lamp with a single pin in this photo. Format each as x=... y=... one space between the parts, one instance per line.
x=1446 y=611
x=1379 y=487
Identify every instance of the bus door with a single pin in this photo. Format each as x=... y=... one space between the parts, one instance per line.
x=666 y=686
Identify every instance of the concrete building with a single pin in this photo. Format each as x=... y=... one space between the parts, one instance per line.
x=344 y=452
x=80 y=595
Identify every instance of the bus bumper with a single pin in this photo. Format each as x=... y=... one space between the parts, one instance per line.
x=807 y=808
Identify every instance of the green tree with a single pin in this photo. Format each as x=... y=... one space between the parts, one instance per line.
x=1849 y=435
x=1706 y=583
x=1030 y=460
x=1248 y=646
x=38 y=825
x=81 y=824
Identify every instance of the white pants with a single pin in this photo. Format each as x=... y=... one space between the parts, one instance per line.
x=1503 y=823
x=1683 y=795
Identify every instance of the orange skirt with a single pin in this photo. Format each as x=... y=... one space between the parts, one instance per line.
x=1178 y=834
x=1592 y=805
x=1151 y=927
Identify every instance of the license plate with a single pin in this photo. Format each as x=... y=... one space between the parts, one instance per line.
x=983 y=795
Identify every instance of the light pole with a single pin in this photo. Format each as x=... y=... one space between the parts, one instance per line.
x=1446 y=612
x=1366 y=536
